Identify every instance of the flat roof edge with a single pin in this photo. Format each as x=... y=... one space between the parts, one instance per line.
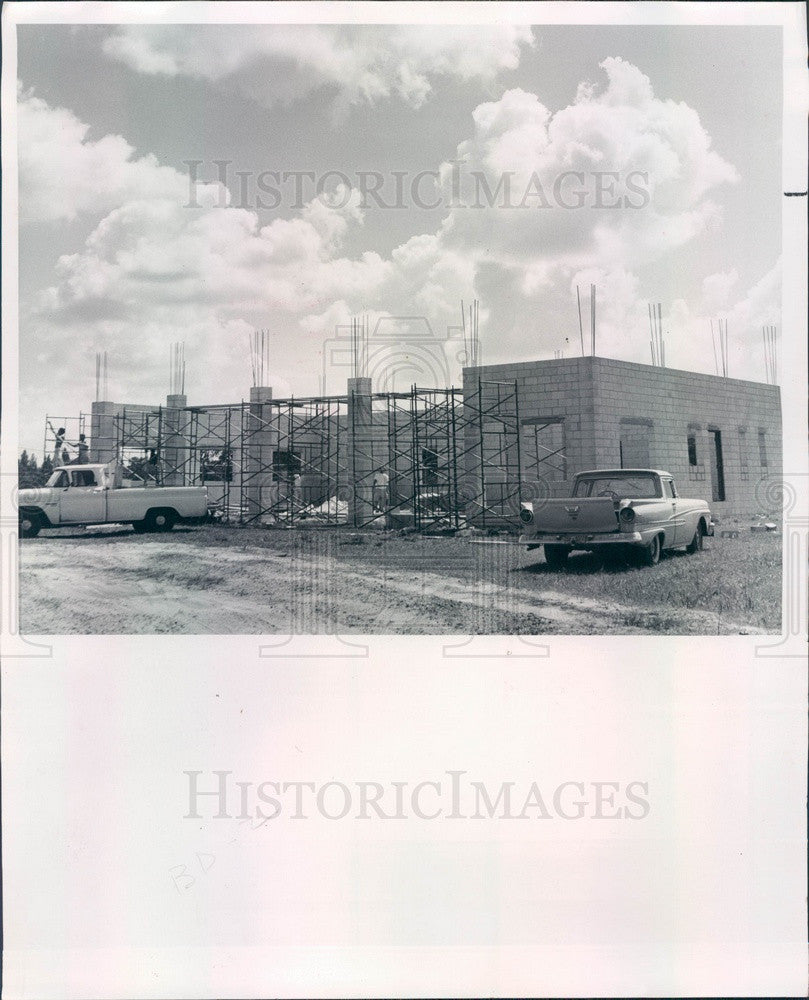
x=593 y=359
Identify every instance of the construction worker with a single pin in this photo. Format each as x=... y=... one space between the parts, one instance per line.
x=295 y=491
x=381 y=483
x=83 y=454
x=59 y=445
x=151 y=467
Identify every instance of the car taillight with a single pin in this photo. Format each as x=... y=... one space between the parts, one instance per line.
x=526 y=515
x=627 y=515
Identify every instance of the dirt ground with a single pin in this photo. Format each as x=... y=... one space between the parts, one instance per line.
x=220 y=580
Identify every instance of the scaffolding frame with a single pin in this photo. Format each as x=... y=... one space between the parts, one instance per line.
x=492 y=457
x=447 y=466
x=292 y=462
x=74 y=426
x=218 y=458
x=435 y=460
x=540 y=464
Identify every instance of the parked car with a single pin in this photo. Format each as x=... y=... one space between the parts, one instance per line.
x=97 y=494
x=633 y=509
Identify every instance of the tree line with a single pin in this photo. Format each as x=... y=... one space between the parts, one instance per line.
x=31 y=474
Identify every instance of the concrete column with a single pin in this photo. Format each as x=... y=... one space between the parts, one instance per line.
x=175 y=449
x=103 y=438
x=470 y=478
x=360 y=451
x=260 y=491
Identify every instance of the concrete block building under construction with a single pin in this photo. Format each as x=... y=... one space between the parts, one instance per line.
x=442 y=458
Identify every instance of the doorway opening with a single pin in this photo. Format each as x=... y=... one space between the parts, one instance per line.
x=717 y=466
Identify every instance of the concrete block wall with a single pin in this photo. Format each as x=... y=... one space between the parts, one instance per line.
x=176 y=435
x=678 y=403
x=361 y=450
x=261 y=491
x=104 y=429
x=559 y=389
x=654 y=409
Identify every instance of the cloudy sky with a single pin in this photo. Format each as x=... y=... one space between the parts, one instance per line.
x=391 y=170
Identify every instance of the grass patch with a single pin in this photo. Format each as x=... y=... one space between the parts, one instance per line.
x=737 y=579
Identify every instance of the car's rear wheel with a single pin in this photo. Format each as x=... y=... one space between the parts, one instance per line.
x=651 y=552
x=696 y=543
x=160 y=520
x=30 y=525
x=556 y=555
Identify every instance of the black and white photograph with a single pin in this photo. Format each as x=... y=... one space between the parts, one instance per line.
x=400 y=329
x=403 y=499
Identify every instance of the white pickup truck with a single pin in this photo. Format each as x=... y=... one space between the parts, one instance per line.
x=98 y=494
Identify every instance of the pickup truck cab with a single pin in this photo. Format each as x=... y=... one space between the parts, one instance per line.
x=98 y=494
x=637 y=509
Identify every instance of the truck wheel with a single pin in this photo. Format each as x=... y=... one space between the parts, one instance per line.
x=160 y=520
x=556 y=555
x=695 y=545
x=651 y=553
x=30 y=525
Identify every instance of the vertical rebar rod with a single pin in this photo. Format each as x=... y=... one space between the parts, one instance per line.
x=466 y=349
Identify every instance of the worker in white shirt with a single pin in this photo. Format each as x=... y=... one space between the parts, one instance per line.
x=381 y=484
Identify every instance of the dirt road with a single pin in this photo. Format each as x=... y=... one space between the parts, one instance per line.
x=254 y=581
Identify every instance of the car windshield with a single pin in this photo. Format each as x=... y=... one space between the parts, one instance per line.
x=58 y=478
x=620 y=487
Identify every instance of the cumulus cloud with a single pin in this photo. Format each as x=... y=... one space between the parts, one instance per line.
x=64 y=173
x=154 y=270
x=619 y=174
x=365 y=63
x=153 y=255
x=759 y=306
x=717 y=288
x=746 y=310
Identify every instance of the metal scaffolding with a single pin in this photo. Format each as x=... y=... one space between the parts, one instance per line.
x=492 y=453
x=74 y=426
x=429 y=459
x=451 y=460
x=292 y=461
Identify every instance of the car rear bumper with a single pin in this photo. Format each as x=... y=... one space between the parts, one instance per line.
x=583 y=540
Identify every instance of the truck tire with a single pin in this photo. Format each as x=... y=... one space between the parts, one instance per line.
x=556 y=555
x=695 y=545
x=651 y=552
x=30 y=524
x=160 y=520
